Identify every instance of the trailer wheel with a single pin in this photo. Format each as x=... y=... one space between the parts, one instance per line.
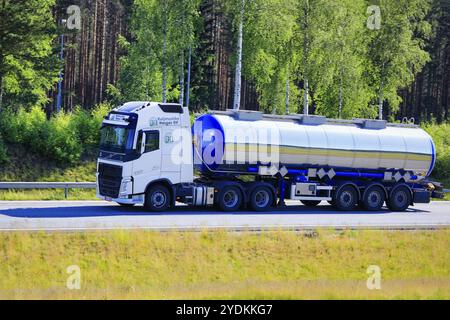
x=230 y=199
x=373 y=198
x=400 y=199
x=346 y=198
x=311 y=203
x=261 y=199
x=157 y=199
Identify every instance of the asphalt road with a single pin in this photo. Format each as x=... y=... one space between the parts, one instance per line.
x=97 y=215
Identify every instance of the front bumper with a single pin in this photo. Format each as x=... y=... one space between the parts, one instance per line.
x=138 y=199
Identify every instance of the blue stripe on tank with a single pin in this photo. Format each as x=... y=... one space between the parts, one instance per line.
x=433 y=158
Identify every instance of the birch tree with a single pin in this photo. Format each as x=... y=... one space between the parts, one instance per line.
x=395 y=53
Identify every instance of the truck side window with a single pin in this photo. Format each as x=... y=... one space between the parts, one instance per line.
x=151 y=141
x=139 y=142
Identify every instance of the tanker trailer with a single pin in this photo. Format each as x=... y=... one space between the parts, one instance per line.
x=151 y=155
x=314 y=159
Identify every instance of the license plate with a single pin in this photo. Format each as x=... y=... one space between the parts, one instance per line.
x=108 y=199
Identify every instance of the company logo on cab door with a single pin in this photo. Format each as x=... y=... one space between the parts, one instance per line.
x=164 y=121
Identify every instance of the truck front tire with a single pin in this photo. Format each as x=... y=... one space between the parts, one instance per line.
x=157 y=199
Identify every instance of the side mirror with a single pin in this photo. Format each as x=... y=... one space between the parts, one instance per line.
x=142 y=150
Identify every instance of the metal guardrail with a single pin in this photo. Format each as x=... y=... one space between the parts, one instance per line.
x=48 y=185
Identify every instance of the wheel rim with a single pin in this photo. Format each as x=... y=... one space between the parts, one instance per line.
x=230 y=198
x=262 y=198
x=346 y=198
x=159 y=199
x=374 y=199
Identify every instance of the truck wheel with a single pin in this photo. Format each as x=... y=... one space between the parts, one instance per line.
x=261 y=199
x=229 y=199
x=157 y=199
x=311 y=203
x=400 y=199
x=373 y=198
x=346 y=198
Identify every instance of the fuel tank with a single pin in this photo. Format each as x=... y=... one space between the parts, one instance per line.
x=229 y=142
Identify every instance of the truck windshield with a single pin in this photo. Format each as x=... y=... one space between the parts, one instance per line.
x=116 y=138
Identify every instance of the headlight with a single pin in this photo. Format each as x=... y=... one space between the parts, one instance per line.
x=126 y=187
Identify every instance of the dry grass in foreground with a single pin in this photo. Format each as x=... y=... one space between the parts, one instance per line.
x=183 y=265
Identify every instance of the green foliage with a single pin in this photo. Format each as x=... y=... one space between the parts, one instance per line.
x=153 y=24
x=64 y=137
x=441 y=138
x=27 y=67
x=395 y=52
x=328 y=45
x=268 y=33
x=87 y=124
x=3 y=154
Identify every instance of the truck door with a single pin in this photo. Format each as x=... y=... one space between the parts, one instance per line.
x=170 y=154
x=148 y=167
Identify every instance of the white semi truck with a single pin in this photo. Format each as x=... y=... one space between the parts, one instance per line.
x=150 y=155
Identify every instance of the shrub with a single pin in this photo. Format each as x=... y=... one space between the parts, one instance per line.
x=9 y=126
x=441 y=138
x=64 y=137
x=3 y=154
x=63 y=143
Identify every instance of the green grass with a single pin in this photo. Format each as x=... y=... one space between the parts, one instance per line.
x=44 y=194
x=25 y=166
x=207 y=265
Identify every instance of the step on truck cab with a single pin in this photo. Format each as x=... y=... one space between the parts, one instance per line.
x=243 y=159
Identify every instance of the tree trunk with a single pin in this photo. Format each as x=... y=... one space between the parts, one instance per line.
x=287 y=94
x=164 y=62
x=181 y=98
x=380 y=101
x=305 y=98
x=238 y=77
x=188 y=87
x=59 y=97
x=306 y=60
x=380 y=94
x=340 y=97
x=1 y=92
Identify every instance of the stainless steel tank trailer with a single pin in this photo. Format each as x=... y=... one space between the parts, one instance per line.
x=246 y=159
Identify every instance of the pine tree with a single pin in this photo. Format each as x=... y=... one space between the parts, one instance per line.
x=27 y=67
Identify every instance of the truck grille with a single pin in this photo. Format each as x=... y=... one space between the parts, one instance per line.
x=109 y=180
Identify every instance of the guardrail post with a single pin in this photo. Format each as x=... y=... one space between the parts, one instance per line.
x=66 y=192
